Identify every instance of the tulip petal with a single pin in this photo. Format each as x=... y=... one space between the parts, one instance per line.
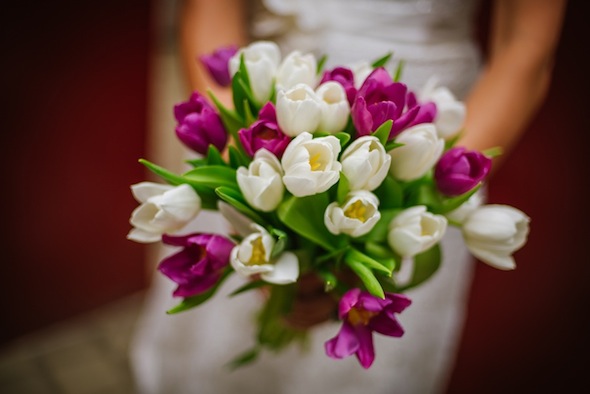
x=142 y=236
x=366 y=351
x=286 y=270
x=344 y=344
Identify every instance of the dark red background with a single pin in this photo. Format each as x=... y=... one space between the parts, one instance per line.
x=74 y=93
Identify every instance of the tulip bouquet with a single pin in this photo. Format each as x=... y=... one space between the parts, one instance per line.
x=339 y=174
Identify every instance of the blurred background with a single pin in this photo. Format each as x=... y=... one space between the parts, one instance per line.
x=85 y=84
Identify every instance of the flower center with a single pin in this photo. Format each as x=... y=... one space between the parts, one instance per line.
x=267 y=134
x=315 y=162
x=357 y=211
x=258 y=253
x=358 y=316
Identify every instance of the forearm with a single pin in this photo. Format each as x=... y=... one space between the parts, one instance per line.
x=503 y=102
x=516 y=78
x=206 y=25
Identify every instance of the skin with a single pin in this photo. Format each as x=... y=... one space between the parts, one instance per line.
x=514 y=83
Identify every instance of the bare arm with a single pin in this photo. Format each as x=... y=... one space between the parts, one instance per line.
x=206 y=25
x=515 y=80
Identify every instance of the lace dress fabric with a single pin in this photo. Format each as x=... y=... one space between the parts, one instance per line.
x=187 y=353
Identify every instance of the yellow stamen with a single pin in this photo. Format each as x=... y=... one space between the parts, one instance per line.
x=258 y=253
x=360 y=316
x=356 y=210
x=314 y=162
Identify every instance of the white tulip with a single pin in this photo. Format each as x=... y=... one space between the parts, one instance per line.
x=297 y=68
x=361 y=71
x=239 y=222
x=253 y=256
x=311 y=165
x=356 y=217
x=298 y=110
x=414 y=230
x=420 y=151
x=365 y=163
x=334 y=106
x=261 y=183
x=450 y=112
x=262 y=59
x=493 y=233
x=163 y=209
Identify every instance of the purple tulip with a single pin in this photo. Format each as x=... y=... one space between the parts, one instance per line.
x=344 y=77
x=380 y=99
x=265 y=133
x=199 y=125
x=217 y=64
x=460 y=170
x=363 y=313
x=198 y=266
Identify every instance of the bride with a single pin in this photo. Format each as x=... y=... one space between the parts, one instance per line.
x=187 y=353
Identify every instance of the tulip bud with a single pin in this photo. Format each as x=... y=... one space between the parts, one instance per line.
x=415 y=230
x=450 y=112
x=344 y=77
x=356 y=217
x=493 y=233
x=217 y=64
x=420 y=151
x=163 y=209
x=311 y=165
x=459 y=171
x=199 y=125
x=264 y=133
x=253 y=256
x=295 y=69
x=334 y=107
x=298 y=110
x=261 y=183
x=261 y=59
x=365 y=163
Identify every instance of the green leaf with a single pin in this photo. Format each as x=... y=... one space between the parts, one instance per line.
x=163 y=173
x=212 y=176
x=321 y=64
x=251 y=285
x=390 y=194
x=343 y=189
x=194 y=301
x=367 y=277
x=343 y=137
x=248 y=116
x=305 y=216
x=214 y=157
x=280 y=244
x=330 y=280
x=425 y=265
x=382 y=254
x=493 y=152
x=356 y=255
x=382 y=132
x=230 y=119
x=424 y=193
x=236 y=200
x=237 y=158
x=391 y=145
x=197 y=162
x=398 y=71
x=243 y=359
x=382 y=61
x=449 y=204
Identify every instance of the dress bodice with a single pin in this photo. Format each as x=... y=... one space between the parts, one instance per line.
x=432 y=37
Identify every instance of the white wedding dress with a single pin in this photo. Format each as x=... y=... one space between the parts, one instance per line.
x=187 y=353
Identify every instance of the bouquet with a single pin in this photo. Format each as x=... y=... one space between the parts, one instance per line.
x=333 y=177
